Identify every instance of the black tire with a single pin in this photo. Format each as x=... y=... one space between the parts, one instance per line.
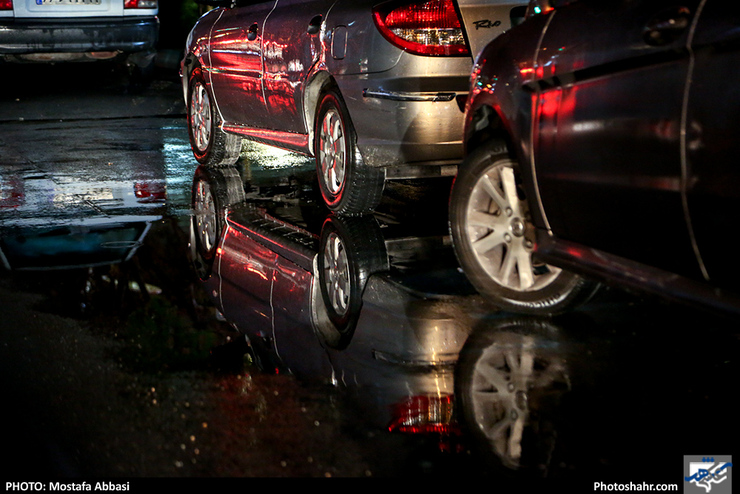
x=351 y=250
x=347 y=186
x=213 y=191
x=210 y=144
x=494 y=239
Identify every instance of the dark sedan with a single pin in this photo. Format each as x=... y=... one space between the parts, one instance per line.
x=600 y=140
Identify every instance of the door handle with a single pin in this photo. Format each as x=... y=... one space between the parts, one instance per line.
x=252 y=32
x=315 y=25
x=666 y=26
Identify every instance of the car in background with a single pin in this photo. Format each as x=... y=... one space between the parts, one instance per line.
x=600 y=140
x=369 y=88
x=75 y=30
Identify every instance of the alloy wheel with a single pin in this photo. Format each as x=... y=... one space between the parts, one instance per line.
x=332 y=151
x=201 y=118
x=205 y=215
x=505 y=378
x=500 y=231
x=337 y=276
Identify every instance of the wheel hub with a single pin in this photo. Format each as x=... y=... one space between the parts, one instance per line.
x=517 y=227
x=500 y=235
x=332 y=147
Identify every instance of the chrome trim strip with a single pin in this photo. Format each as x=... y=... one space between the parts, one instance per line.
x=403 y=96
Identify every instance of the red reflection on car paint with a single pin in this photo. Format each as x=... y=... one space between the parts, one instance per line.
x=237 y=63
x=256 y=269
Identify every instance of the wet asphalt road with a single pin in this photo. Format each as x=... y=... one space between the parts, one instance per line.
x=123 y=355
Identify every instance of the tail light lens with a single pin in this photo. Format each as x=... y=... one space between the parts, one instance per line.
x=139 y=4
x=6 y=4
x=424 y=415
x=11 y=193
x=147 y=192
x=424 y=28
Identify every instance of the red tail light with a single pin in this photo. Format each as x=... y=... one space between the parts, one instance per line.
x=6 y=4
x=11 y=193
x=422 y=28
x=150 y=192
x=424 y=415
x=139 y=4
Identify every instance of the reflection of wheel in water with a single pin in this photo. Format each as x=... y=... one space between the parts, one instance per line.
x=506 y=382
x=205 y=219
x=350 y=251
x=213 y=190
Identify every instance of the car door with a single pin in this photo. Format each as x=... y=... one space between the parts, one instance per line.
x=246 y=269
x=607 y=131
x=236 y=62
x=291 y=47
x=712 y=146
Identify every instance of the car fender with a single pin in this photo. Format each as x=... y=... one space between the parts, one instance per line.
x=197 y=48
x=502 y=99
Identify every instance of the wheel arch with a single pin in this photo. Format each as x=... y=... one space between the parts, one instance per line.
x=485 y=123
x=189 y=64
x=318 y=84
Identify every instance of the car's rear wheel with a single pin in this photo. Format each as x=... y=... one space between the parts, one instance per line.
x=211 y=145
x=347 y=185
x=494 y=239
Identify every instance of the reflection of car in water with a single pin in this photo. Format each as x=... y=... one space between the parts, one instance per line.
x=330 y=299
x=49 y=223
x=534 y=398
x=335 y=257
x=510 y=378
x=571 y=397
x=73 y=245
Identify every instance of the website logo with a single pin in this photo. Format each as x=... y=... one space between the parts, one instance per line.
x=705 y=474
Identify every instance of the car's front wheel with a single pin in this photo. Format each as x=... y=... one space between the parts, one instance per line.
x=211 y=145
x=347 y=185
x=494 y=239
x=213 y=191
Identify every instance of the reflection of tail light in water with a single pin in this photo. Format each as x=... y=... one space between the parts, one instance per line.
x=426 y=415
x=11 y=193
x=150 y=191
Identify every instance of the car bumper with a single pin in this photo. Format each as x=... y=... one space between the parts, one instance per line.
x=399 y=123
x=33 y=36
